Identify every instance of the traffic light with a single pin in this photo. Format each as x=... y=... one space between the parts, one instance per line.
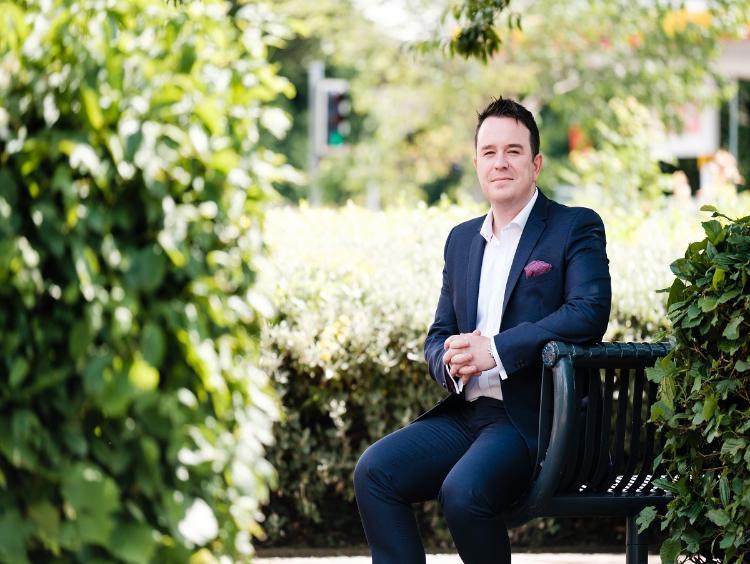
x=330 y=124
x=338 y=128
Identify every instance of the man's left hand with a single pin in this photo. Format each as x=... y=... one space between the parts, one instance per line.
x=468 y=355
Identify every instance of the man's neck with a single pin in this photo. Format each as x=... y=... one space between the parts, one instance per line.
x=503 y=215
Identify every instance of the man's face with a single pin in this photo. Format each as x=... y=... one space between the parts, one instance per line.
x=506 y=170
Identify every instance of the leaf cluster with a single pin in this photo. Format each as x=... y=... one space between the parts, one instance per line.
x=477 y=35
x=132 y=417
x=704 y=398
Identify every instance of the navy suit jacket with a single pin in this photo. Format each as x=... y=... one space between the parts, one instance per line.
x=569 y=303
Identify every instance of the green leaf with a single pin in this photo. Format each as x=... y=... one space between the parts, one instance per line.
x=645 y=518
x=46 y=517
x=719 y=517
x=13 y=534
x=92 y=108
x=694 y=312
x=117 y=393
x=714 y=231
x=729 y=295
x=709 y=407
x=708 y=304
x=8 y=187
x=80 y=338
x=676 y=292
x=670 y=550
x=681 y=267
x=742 y=365
x=708 y=208
x=657 y=372
x=727 y=541
x=732 y=329
x=94 y=497
x=724 y=490
x=133 y=542
x=152 y=344
x=143 y=376
x=667 y=391
x=718 y=278
x=147 y=269
x=733 y=446
x=18 y=371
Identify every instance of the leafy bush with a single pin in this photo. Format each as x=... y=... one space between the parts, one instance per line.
x=355 y=294
x=704 y=399
x=133 y=420
x=356 y=291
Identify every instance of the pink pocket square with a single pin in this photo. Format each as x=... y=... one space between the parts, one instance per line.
x=536 y=268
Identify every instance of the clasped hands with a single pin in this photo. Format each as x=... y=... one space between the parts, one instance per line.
x=468 y=355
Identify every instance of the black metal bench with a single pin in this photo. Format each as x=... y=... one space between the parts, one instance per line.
x=596 y=446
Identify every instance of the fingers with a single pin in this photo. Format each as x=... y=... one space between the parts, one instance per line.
x=466 y=377
x=457 y=361
x=448 y=356
x=465 y=371
x=455 y=342
x=460 y=341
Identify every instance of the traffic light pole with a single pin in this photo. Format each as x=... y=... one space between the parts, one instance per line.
x=315 y=74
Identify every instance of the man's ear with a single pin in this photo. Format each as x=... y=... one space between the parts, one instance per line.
x=538 y=160
x=474 y=160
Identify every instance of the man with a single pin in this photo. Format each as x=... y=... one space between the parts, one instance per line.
x=528 y=272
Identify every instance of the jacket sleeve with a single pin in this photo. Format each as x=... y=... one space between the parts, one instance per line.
x=442 y=327
x=584 y=313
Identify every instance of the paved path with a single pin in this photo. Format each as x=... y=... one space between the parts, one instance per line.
x=565 y=558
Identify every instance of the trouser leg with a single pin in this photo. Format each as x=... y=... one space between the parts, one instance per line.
x=492 y=474
x=405 y=467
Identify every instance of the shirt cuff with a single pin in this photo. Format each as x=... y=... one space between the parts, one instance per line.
x=500 y=368
x=455 y=385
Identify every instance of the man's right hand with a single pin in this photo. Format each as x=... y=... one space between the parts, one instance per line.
x=458 y=357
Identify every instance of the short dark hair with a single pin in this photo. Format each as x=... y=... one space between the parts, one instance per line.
x=505 y=107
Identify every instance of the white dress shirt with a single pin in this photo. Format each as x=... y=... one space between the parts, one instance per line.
x=498 y=258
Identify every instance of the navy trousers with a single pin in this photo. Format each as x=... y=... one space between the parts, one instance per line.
x=472 y=459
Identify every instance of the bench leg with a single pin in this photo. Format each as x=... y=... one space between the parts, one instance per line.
x=636 y=549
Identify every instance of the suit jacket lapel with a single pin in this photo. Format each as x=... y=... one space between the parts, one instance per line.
x=532 y=231
x=473 y=274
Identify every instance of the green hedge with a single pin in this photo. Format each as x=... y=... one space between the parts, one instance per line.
x=356 y=291
x=132 y=416
x=704 y=399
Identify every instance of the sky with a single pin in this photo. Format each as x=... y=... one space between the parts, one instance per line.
x=407 y=20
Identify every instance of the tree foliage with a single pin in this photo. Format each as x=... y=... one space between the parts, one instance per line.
x=414 y=108
x=132 y=418
x=704 y=399
x=585 y=53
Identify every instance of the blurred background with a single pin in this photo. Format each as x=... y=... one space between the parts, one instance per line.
x=221 y=233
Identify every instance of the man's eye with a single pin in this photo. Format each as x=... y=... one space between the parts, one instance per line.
x=514 y=152
x=488 y=153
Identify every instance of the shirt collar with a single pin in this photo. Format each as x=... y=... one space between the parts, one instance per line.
x=520 y=220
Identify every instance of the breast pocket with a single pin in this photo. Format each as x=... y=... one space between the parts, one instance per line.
x=542 y=294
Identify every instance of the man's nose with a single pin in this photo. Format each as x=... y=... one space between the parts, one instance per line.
x=500 y=161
